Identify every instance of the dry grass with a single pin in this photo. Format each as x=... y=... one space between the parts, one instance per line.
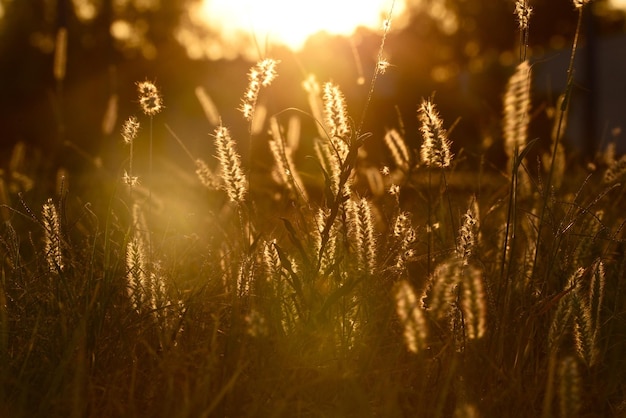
x=399 y=291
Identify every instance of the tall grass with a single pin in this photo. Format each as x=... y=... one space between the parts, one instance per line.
x=338 y=298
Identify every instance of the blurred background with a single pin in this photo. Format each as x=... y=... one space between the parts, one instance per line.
x=462 y=51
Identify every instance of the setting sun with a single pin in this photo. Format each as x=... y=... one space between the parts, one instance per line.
x=288 y=22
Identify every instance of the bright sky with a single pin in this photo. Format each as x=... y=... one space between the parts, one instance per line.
x=289 y=22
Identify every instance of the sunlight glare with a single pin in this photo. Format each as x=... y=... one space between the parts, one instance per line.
x=618 y=4
x=289 y=22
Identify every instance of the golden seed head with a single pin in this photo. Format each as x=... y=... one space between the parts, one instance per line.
x=130 y=129
x=523 y=12
x=150 y=99
x=435 y=149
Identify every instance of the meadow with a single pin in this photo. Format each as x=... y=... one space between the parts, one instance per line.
x=408 y=282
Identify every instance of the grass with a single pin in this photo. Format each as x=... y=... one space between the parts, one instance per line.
x=371 y=291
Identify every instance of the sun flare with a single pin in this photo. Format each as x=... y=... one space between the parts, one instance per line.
x=288 y=22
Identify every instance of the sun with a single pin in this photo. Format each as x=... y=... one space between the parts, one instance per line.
x=291 y=22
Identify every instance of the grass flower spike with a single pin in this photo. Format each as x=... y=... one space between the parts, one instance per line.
x=467 y=236
x=150 y=98
x=350 y=265
x=435 y=151
x=206 y=175
x=137 y=260
x=523 y=12
x=130 y=130
x=235 y=181
x=261 y=75
x=516 y=110
x=473 y=303
x=361 y=228
x=411 y=317
x=52 y=236
x=336 y=116
x=399 y=151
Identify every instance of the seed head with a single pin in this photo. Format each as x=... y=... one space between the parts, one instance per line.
x=336 y=113
x=399 y=151
x=473 y=303
x=52 y=236
x=516 y=109
x=580 y=3
x=235 y=181
x=149 y=98
x=361 y=233
x=435 y=149
x=523 y=12
x=467 y=236
x=382 y=66
x=411 y=317
x=261 y=75
x=130 y=180
x=130 y=129
x=206 y=176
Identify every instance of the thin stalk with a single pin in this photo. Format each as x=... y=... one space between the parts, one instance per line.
x=377 y=70
x=350 y=161
x=447 y=193
x=509 y=236
x=150 y=162
x=560 y=125
x=511 y=222
x=150 y=167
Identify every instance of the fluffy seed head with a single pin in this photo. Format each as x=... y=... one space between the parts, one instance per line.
x=235 y=181
x=361 y=228
x=52 y=236
x=283 y=156
x=326 y=254
x=411 y=317
x=399 y=151
x=516 y=109
x=435 y=149
x=205 y=175
x=523 y=12
x=138 y=278
x=150 y=98
x=382 y=65
x=583 y=330
x=441 y=291
x=261 y=75
x=271 y=260
x=580 y=3
x=473 y=303
x=130 y=129
x=467 y=235
x=130 y=180
x=335 y=112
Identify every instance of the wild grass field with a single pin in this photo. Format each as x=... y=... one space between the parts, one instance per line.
x=367 y=285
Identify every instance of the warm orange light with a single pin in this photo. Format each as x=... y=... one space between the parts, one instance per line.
x=291 y=22
x=618 y=4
